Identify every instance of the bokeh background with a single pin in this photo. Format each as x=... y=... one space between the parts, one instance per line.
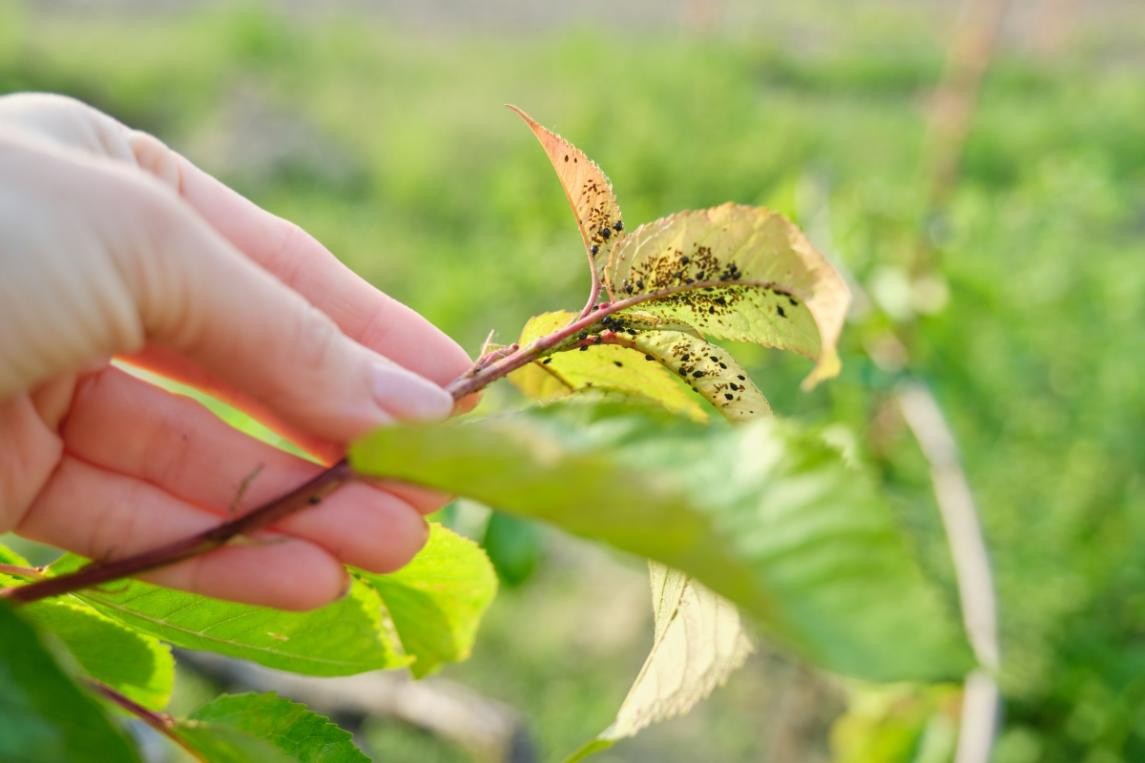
x=977 y=167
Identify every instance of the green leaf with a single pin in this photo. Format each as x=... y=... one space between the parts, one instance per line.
x=128 y=661
x=699 y=641
x=256 y=728
x=514 y=547
x=738 y=273
x=602 y=367
x=349 y=636
x=588 y=190
x=438 y=599
x=44 y=716
x=762 y=513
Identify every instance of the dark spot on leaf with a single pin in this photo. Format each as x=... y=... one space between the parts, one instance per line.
x=697 y=374
x=566 y=157
x=649 y=357
x=729 y=396
x=546 y=361
x=684 y=260
x=741 y=377
x=618 y=364
x=779 y=309
x=724 y=366
x=714 y=358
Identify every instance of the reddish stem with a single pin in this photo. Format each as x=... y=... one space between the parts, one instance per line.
x=317 y=488
x=161 y=722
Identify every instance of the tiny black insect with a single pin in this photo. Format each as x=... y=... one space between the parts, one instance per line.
x=779 y=309
x=697 y=374
x=618 y=364
x=584 y=348
x=618 y=225
x=741 y=377
x=594 y=249
x=649 y=357
x=729 y=396
x=605 y=233
x=546 y=361
x=724 y=366
x=314 y=500
x=684 y=260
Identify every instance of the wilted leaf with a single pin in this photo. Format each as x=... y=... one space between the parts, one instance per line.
x=253 y=728
x=437 y=600
x=738 y=273
x=602 y=367
x=699 y=641
x=44 y=716
x=588 y=190
x=132 y=663
x=762 y=513
x=346 y=637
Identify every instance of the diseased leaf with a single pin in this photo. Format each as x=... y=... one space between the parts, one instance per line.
x=44 y=716
x=437 y=600
x=588 y=190
x=739 y=273
x=603 y=367
x=349 y=636
x=252 y=728
x=128 y=661
x=708 y=369
x=699 y=641
x=762 y=513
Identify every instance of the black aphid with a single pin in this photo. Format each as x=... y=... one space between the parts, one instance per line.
x=729 y=396
x=618 y=225
x=697 y=374
x=546 y=361
x=605 y=233
x=594 y=248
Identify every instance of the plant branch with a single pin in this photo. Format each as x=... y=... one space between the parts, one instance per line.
x=316 y=489
x=96 y=573
x=161 y=722
x=19 y=571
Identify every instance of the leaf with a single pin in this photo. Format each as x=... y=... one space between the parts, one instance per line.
x=437 y=600
x=346 y=637
x=738 y=273
x=514 y=547
x=597 y=367
x=708 y=369
x=762 y=513
x=253 y=728
x=128 y=661
x=44 y=716
x=588 y=190
x=699 y=641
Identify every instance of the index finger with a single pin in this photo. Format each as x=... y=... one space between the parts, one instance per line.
x=281 y=247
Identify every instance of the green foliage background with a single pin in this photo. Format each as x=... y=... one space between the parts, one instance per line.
x=383 y=135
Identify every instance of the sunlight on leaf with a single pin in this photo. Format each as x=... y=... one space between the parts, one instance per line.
x=588 y=190
x=699 y=641
x=346 y=637
x=762 y=513
x=602 y=367
x=438 y=599
x=765 y=282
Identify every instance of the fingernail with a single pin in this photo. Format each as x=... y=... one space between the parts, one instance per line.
x=408 y=396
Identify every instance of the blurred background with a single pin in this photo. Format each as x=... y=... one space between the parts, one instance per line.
x=977 y=167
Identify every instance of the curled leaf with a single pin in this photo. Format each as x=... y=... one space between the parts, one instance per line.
x=738 y=273
x=588 y=190
x=601 y=367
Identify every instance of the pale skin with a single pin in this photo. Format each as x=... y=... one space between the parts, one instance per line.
x=114 y=246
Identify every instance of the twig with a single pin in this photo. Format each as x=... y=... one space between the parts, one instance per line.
x=161 y=722
x=97 y=573
x=981 y=699
x=23 y=572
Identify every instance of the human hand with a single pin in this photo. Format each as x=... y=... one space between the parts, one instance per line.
x=112 y=245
